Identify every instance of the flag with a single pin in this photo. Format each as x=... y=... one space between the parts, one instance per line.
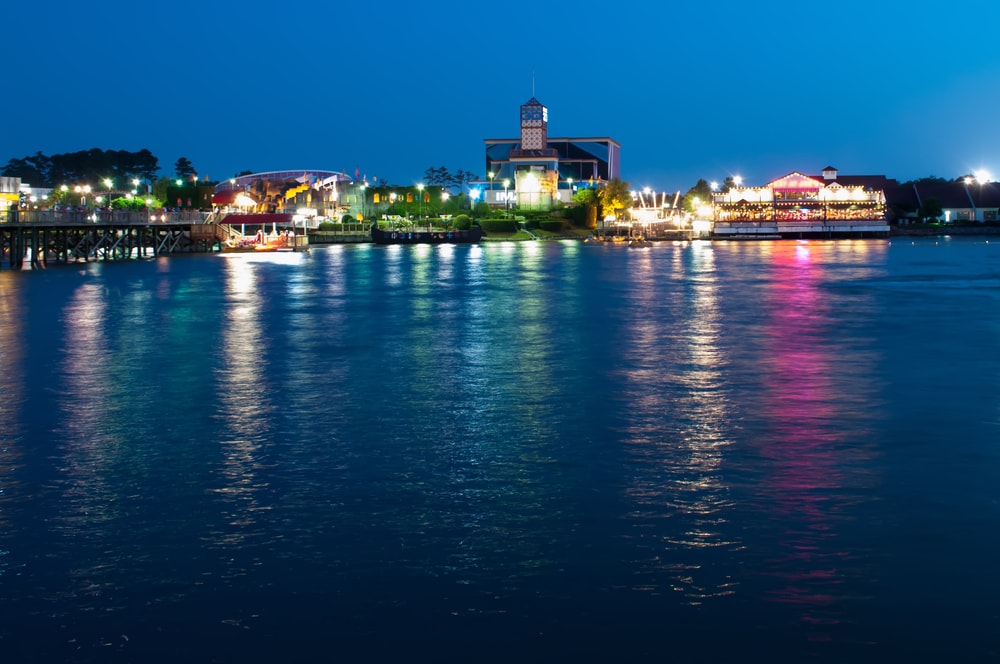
x=357 y=174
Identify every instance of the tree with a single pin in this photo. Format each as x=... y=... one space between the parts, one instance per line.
x=931 y=210
x=586 y=200
x=437 y=176
x=463 y=178
x=184 y=168
x=615 y=197
x=32 y=170
x=698 y=195
x=83 y=166
x=454 y=182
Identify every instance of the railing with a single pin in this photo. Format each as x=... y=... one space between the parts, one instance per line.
x=77 y=217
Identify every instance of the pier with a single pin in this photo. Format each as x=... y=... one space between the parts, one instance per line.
x=38 y=238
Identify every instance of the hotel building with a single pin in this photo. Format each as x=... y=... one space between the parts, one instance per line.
x=539 y=169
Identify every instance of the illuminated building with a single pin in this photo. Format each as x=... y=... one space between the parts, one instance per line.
x=797 y=205
x=10 y=189
x=541 y=169
x=320 y=192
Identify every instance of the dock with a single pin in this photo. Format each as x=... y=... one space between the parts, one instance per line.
x=40 y=238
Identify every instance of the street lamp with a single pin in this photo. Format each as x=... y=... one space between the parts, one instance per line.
x=83 y=191
x=364 y=197
x=506 y=199
x=569 y=184
x=107 y=185
x=491 y=175
x=420 y=192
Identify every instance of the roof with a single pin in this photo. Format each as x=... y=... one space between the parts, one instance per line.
x=986 y=195
x=873 y=182
x=949 y=194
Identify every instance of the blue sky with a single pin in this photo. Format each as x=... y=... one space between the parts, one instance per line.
x=690 y=90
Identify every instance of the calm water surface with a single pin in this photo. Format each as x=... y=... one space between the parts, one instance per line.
x=693 y=452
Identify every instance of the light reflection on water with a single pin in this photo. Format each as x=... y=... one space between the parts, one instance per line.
x=676 y=413
x=512 y=446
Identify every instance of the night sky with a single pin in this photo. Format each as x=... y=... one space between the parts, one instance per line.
x=690 y=90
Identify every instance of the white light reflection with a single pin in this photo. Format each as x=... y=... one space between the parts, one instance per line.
x=677 y=419
x=12 y=315
x=244 y=404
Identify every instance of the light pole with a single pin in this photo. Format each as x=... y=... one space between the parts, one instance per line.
x=569 y=184
x=420 y=192
x=107 y=184
x=506 y=199
x=83 y=191
x=364 y=197
x=492 y=175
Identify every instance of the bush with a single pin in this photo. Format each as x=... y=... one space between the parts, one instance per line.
x=347 y=219
x=326 y=226
x=499 y=225
x=551 y=225
x=576 y=215
x=482 y=210
x=461 y=222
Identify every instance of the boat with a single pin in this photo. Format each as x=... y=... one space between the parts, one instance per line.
x=267 y=243
x=397 y=236
x=609 y=240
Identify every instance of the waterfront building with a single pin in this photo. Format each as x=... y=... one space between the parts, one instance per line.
x=539 y=169
x=10 y=191
x=798 y=197
x=314 y=193
x=795 y=204
x=962 y=201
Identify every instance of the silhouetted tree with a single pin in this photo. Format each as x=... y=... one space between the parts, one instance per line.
x=184 y=168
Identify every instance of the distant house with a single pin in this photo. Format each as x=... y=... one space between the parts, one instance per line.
x=963 y=201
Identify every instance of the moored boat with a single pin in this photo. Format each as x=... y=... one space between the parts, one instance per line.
x=267 y=243
x=396 y=236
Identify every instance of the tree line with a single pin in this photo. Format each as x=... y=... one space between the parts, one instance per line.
x=40 y=170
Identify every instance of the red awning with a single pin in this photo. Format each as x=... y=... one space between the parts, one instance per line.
x=228 y=196
x=268 y=218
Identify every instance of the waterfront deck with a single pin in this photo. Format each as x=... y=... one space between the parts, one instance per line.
x=766 y=230
x=41 y=238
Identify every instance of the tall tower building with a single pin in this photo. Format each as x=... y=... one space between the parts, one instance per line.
x=534 y=125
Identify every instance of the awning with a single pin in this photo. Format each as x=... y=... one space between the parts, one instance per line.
x=263 y=218
x=228 y=197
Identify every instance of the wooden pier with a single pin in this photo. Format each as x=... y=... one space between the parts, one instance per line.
x=40 y=238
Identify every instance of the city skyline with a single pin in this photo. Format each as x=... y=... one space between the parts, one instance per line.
x=741 y=90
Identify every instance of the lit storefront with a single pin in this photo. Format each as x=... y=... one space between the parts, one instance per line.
x=798 y=197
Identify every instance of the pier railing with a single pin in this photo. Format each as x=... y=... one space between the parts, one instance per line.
x=78 y=217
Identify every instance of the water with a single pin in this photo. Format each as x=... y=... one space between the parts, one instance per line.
x=693 y=452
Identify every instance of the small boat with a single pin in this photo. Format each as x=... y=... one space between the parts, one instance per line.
x=397 y=236
x=639 y=241
x=267 y=243
x=609 y=240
